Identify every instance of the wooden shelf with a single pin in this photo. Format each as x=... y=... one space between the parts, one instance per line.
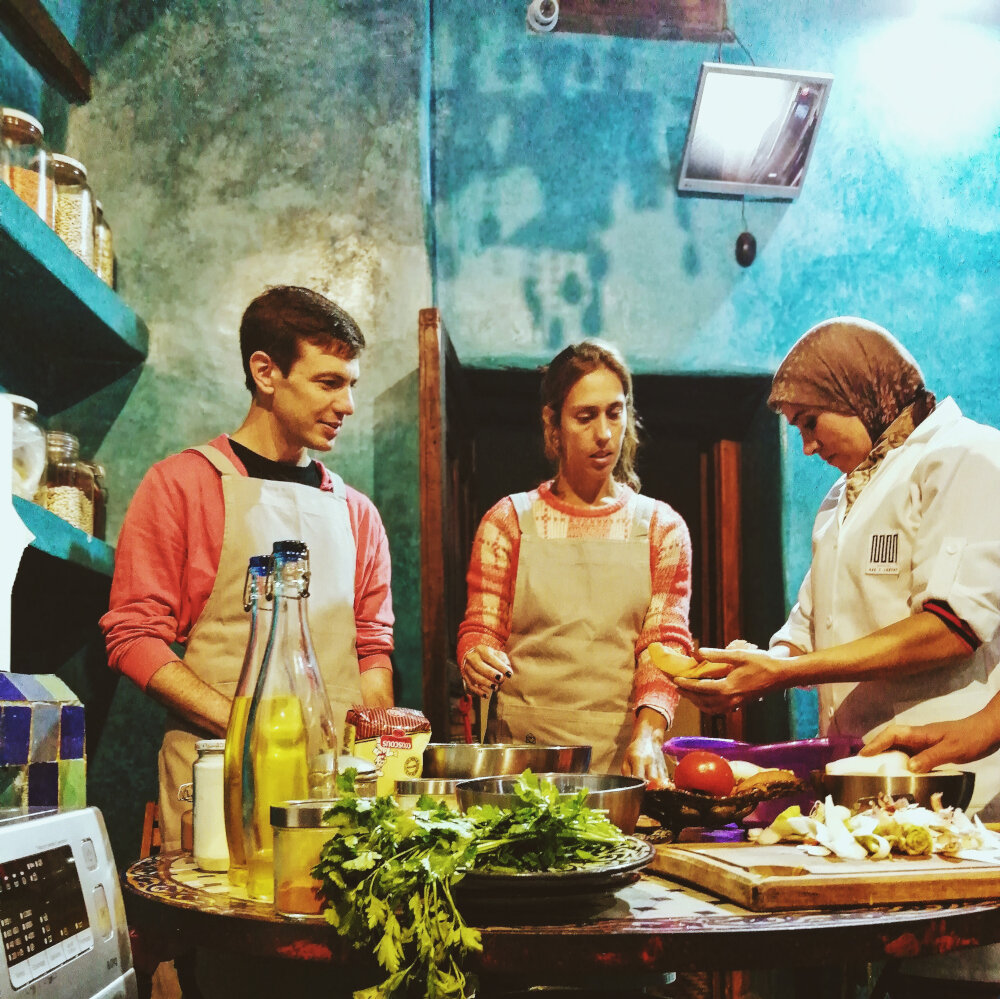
x=30 y=29
x=66 y=334
x=60 y=539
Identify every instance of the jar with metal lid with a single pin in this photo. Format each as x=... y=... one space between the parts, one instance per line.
x=104 y=253
x=28 y=448
x=68 y=489
x=74 y=207
x=100 y=501
x=25 y=165
x=210 y=850
x=299 y=836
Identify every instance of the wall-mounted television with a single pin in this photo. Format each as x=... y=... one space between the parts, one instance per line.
x=752 y=130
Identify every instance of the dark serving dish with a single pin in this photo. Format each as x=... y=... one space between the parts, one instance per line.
x=675 y=809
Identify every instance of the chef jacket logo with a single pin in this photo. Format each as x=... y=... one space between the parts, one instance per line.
x=883 y=555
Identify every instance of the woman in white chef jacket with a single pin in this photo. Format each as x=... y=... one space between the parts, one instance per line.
x=569 y=584
x=897 y=618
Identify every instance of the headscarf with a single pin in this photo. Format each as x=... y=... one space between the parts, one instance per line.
x=856 y=368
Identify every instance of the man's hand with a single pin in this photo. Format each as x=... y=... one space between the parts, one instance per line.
x=736 y=676
x=644 y=756
x=177 y=687
x=376 y=688
x=484 y=670
x=937 y=743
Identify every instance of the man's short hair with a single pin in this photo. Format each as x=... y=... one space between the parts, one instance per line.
x=277 y=321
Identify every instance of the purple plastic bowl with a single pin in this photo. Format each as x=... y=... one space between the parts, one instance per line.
x=801 y=757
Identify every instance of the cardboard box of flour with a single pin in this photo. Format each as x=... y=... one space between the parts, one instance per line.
x=393 y=739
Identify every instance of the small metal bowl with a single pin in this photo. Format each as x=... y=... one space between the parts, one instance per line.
x=408 y=792
x=460 y=759
x=858 y=790
x=620 y=797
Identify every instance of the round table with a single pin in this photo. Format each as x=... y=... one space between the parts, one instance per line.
x=647 y=928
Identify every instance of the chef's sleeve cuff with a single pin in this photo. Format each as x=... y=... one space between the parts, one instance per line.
x=958 y=626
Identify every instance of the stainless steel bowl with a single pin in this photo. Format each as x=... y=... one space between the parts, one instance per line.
x=408 y=792
x=859 y=789
x=459 y=759
x=620 y=797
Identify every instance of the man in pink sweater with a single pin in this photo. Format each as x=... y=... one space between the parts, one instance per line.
x=198 y=516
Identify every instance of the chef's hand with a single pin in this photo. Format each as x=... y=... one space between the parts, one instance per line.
x=934 y=744
x=644 y=756
x=736 y=676
x=484 y=670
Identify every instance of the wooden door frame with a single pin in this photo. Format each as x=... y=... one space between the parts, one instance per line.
x=721 y=563
x=443 y=518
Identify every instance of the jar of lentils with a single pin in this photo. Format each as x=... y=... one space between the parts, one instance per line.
x=69 y=483
x=74 y=207
x=104 y=253
x=25 y=165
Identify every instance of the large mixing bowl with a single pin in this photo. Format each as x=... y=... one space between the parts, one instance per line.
x=459 y=759
x=859 y=789
x=620 y=797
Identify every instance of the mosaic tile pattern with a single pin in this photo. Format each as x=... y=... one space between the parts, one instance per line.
x=43 y=759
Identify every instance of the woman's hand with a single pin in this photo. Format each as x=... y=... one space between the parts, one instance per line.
x=484 y=669
x=736 y=676
x=937 y=743
x=644 y=756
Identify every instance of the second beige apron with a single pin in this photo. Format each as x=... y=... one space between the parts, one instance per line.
x=258 y=513
x=579 y=605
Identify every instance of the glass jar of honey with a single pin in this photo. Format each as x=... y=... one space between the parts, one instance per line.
x=299 y=836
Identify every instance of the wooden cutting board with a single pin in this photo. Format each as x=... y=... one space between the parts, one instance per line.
x=772 y=878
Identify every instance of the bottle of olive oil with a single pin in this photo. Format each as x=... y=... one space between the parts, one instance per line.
x=257 y=604
x=290 y=735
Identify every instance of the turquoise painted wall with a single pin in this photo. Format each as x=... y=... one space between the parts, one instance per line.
x=557 y=216
x=238 y=145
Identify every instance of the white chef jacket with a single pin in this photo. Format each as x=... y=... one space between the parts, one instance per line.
x=926 y=526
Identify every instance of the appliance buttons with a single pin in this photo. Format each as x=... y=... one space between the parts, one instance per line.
x=89 y=854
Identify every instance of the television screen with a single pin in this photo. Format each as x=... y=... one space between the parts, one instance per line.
x=752 y=130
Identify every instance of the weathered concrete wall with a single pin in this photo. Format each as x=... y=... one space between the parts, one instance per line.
x=237 y=145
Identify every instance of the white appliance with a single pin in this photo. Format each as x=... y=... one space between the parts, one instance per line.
x=62 y=918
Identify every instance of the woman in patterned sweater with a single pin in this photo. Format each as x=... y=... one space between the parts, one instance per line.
x=570 y=583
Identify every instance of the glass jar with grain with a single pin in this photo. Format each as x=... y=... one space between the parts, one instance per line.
x=68 y=490
x=25 y=165
x=104 y=253
x=74 y=207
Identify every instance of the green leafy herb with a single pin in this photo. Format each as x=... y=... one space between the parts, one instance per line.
x=388 y=874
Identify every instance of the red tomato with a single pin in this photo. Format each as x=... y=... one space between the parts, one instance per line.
x=704 y=771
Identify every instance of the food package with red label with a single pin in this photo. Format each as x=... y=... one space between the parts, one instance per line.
x=393 y=739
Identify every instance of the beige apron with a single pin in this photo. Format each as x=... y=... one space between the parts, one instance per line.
x=259 y=512
x=579 y=605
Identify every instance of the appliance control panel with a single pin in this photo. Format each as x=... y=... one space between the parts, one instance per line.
x=62 y=918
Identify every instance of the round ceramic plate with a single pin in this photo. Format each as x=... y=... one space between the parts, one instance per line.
x=594 y=876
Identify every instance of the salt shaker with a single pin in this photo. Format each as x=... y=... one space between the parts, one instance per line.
x=210 y=850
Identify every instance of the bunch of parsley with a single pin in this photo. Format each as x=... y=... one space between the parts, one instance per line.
x=387 y=874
